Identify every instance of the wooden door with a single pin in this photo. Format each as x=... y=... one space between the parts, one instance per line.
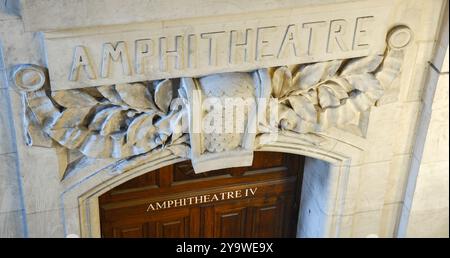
x=257 y=201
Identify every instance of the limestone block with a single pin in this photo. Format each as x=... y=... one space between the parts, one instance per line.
x=84 y=13
x=11 y=224
x=44 y=224
x=429 y=223
x=10 y=198
x=7 y=144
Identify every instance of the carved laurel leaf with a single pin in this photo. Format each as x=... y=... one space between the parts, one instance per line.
x=71 y=117
x=337 y=90
x=304 y=108
x=333 y=67
x=114 y=121
x=310 y=75
x=327 y=98
x=165 y=125
x=135 y=129
x=164 y=95
x=74 y=99
x=366 y=83
x=288 y=118
x=177 y=126
x=149 y=141
x=96 y=145
x=119 y=148
x=360 y=65
x=136 y=95
x=281 y=81
x=101 y=116
x=71 y=138
x=312 y=97
x=342 y=82
x=110 y=93
x=173 y=124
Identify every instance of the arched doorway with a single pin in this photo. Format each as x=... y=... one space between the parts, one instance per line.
x=257 y=201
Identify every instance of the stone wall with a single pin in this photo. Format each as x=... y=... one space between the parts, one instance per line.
x=425 y=209
x=12 y=217
x=393 y=183
x=426 y=202
x=430 y=204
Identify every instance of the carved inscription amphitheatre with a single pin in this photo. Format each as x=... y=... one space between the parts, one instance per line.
x=181 y=52
x=199 y=49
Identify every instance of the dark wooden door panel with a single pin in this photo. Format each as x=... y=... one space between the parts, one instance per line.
x=261 y=215
x=271 y=211
x=229 y=220
x=173 y=228
x=130 y=231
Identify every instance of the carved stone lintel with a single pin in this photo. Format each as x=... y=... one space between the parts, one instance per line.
x=123 y=121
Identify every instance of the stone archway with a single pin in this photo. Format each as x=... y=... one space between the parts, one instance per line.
x=80 y=199
x=142 y=126
x=325 y=102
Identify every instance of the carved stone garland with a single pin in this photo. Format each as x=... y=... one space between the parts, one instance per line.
x=124 y=120
x=115 y=121
x=314 y=97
